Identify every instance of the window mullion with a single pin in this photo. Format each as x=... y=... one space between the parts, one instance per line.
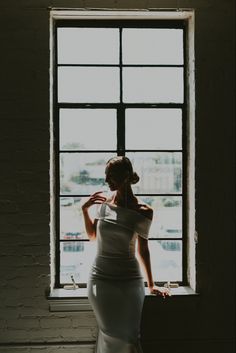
x=121 y=109
x=121 y=130
x=57 y=161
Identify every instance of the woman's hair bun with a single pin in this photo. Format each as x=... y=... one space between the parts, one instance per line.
x=135 y=178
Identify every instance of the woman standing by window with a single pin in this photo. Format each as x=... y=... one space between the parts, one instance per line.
x=116 y=286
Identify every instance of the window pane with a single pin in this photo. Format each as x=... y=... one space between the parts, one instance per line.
x=152 y=46
x=167 y=216
x=154 y=129
x=76 y=260
x=88 y=84
x=159 y=172
x=71 y=218
x=88 y=45
x=166 y=260
x=87 y=129
x=82 y=173
x=153 y=85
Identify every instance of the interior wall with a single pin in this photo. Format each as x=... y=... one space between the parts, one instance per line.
x=182 y=325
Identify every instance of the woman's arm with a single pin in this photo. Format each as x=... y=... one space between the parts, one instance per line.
x=144 y=254
x=143 y=251
x=90 y=224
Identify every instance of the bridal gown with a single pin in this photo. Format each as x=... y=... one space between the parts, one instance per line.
x=116 y=285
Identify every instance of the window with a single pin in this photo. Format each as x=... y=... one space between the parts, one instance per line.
x=120 y=88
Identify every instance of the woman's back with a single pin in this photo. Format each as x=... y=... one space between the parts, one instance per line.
x=117 y=231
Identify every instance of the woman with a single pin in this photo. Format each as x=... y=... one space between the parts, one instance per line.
x=116 y=286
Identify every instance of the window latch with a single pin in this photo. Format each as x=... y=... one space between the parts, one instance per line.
x=171 y=285
x=71 y=286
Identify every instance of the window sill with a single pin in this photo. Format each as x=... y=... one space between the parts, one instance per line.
x=64 y=300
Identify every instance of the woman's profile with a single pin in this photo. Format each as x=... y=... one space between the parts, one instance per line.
x=116 y=286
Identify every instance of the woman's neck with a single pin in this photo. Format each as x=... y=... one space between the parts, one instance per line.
x=124 y=197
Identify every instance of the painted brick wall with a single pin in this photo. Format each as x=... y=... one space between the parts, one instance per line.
x=26 y=325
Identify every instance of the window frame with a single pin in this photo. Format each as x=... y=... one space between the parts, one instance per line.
x=186 y=195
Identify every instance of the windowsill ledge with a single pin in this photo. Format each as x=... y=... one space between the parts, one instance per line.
x=61 y=299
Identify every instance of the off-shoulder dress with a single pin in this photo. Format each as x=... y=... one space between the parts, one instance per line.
x=116 y=286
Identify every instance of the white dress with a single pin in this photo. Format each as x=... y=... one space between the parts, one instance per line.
x=116 y=286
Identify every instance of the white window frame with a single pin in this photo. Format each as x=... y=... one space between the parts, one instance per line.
x=187 y=15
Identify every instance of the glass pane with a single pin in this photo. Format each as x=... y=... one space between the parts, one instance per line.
x=87 y=129
x=152 y=46
x=88 y=45
x=71 y=218
x=154 y=129
x=166 y=260
x=76 y=259
x=159 y=172
x=153 y=85
x=167 y=216
x=88 y=84
x=82 y=173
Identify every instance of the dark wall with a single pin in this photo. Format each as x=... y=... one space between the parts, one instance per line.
x=201 y=324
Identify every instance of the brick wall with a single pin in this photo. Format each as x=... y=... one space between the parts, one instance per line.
x=26 y=325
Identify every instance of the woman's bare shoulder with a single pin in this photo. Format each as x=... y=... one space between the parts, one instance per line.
x=145 y=210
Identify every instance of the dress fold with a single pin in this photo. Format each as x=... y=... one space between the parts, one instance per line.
x=106 y=343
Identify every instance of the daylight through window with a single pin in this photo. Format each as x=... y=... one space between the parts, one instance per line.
x=119 y=88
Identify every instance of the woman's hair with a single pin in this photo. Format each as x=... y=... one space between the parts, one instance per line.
x=123 y=167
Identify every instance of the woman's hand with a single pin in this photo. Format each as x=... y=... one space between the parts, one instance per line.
x=94 y=199
x=164 y=292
